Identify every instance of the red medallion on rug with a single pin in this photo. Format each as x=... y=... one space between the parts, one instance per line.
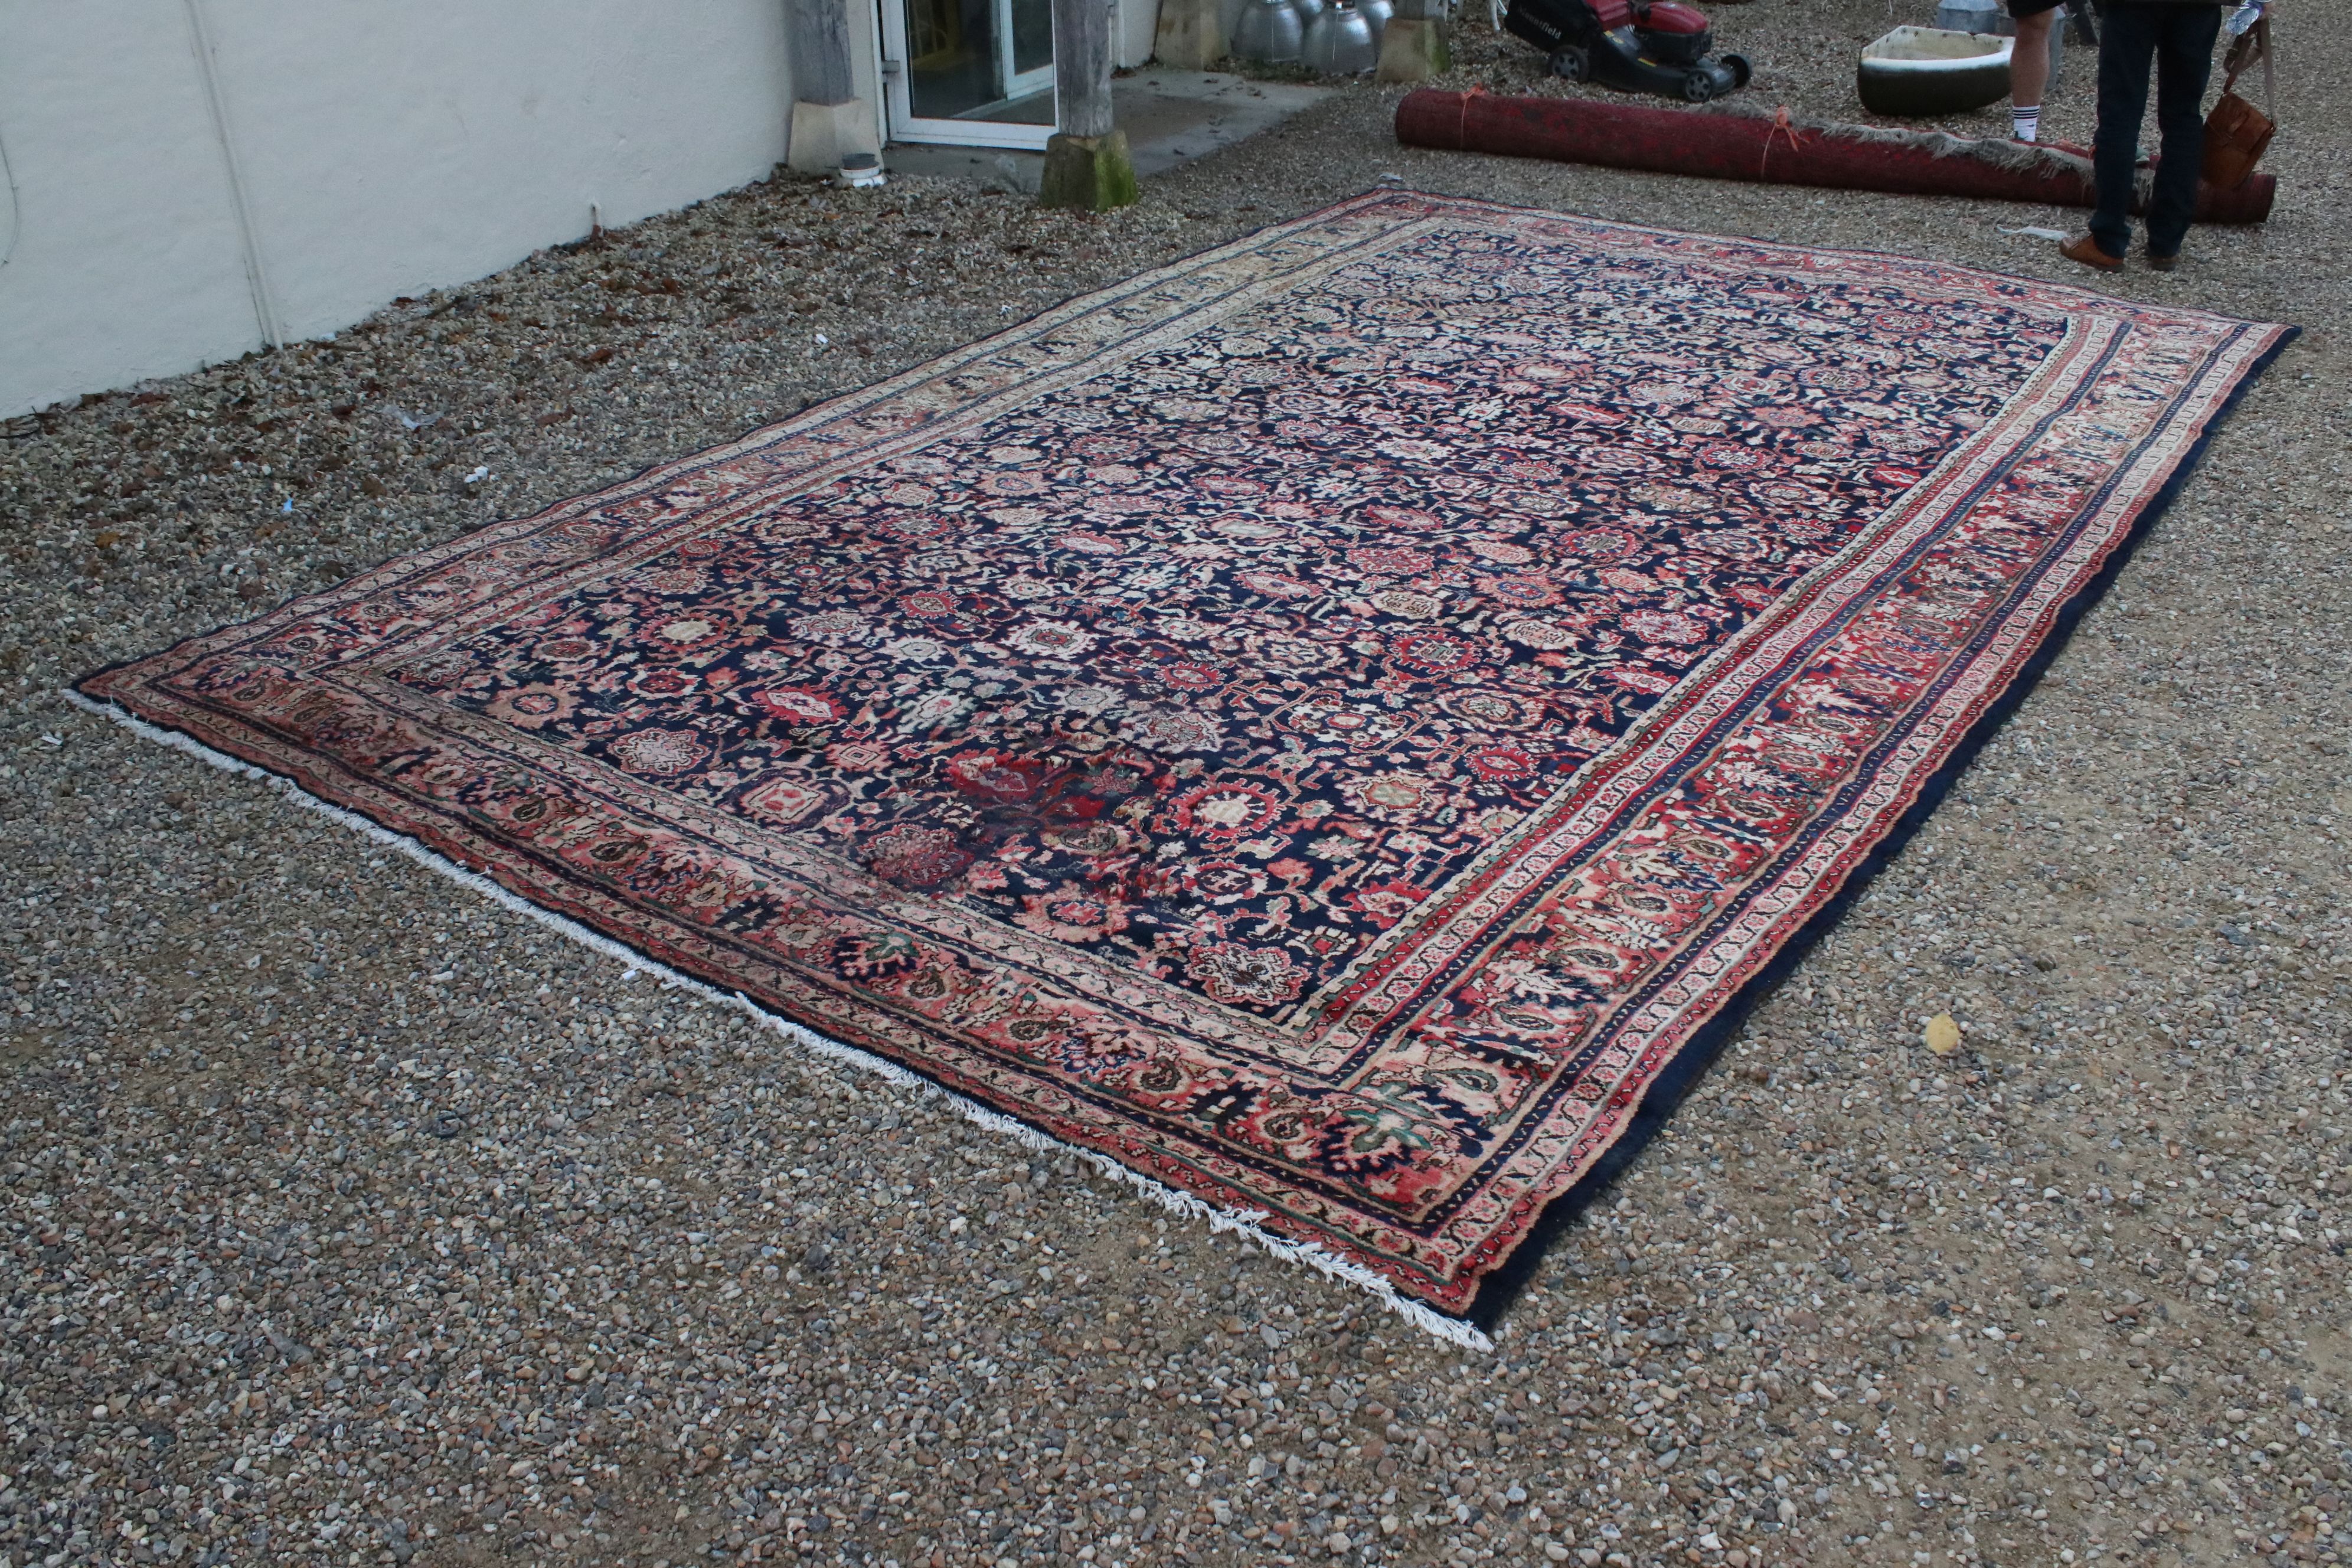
x=1337 y=725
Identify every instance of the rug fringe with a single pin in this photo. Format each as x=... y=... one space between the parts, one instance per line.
x=1249 y=1227
x=2013 y=156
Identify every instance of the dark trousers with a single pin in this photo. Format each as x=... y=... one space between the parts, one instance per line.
x=2177 y=37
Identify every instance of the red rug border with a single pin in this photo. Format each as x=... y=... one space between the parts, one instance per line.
x=1670 y=1083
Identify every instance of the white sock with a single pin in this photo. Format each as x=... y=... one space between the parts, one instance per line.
x=2026 y=123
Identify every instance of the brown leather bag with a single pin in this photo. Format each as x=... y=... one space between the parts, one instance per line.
x=2236 y=132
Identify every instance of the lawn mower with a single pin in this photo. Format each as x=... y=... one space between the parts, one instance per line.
x=1657 y=47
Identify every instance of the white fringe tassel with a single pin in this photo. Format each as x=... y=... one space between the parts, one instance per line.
x=1248 y=1227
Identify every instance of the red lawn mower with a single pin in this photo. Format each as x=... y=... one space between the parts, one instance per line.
x=1658 y=47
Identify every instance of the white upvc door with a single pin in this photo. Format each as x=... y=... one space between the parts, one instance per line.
x=1024 y=33
x=969 y=73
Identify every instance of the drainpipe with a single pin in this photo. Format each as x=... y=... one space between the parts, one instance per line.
x=830 y=122
x=257 y=277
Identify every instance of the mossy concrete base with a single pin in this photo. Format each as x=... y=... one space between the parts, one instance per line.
x=1191 y=34
x=1414 y=49
x=1094 y=173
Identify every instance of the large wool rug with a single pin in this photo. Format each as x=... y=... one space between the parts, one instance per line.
x=1338 y=726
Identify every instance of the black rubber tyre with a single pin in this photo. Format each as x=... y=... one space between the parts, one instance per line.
x=1571 y=62
x=1697 y=87
x=1739 y=71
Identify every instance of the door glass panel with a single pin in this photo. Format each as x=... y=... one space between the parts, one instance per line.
x=980 y=60
x=1032 y=37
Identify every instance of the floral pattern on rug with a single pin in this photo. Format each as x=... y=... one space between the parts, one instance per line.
x=1327 y=723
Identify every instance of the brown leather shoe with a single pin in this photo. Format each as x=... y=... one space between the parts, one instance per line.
x=2086 y=249
x=2163 y=263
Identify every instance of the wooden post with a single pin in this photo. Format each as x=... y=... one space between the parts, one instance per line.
x=829 y=120
x=1082 y=66
x=820 y=52
x=1087 y=163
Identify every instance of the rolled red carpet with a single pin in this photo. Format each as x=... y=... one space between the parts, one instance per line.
x=1731 y=146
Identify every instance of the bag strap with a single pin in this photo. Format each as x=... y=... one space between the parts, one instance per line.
x=2243 y=51
x=2270 y=71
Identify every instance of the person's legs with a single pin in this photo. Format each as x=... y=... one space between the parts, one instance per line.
x=2184 y=59
x=2029 y=71
x=2127 y=36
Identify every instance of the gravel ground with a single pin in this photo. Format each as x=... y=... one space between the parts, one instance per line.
x=348 y=1218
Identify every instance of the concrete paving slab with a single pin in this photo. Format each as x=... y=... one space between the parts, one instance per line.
x=1171 y=118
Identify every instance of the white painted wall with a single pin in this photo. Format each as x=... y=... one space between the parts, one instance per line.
x=124 y=261
x=386 y=150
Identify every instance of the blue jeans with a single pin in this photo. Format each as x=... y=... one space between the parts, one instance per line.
x=2177 y=37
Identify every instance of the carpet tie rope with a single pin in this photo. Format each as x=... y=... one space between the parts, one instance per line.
x=1784 y=124
x=1462 y=114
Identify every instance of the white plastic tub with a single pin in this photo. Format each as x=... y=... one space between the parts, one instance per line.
x=1923 y=72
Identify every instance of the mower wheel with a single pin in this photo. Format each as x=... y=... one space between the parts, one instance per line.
x=1739 y=71
x=1697 y=87
x=1571 y=62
